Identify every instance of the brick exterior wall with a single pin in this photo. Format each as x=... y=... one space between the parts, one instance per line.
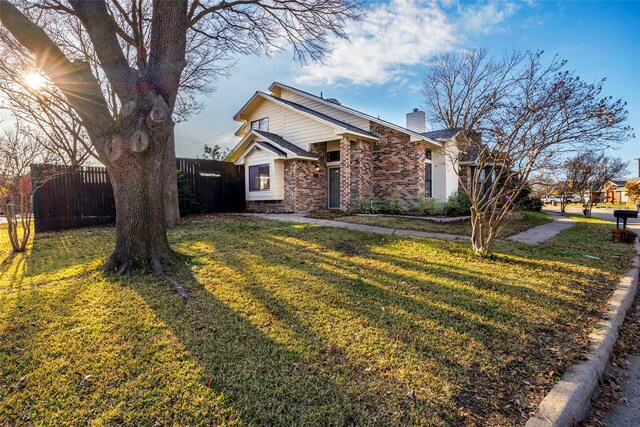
x=356 y=172
x=398 y=165
x=465 y=170
x=345 y=174
x=465 y=176
x=361 y=169
x=394 y=167
x=304 y=188
x=265 y=206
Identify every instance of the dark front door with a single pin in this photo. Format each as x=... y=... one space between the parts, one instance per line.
x=334 y=188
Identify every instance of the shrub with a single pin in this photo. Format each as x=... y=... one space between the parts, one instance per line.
x=376 y=205
x=370 y=205
x=395 y=206
x=527 y=201
x=186 y=196
x=531 y=204
x=429 y=206
x=458 y=204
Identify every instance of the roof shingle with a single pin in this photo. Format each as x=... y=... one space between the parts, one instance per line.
x=442 y=133
x=281 y=143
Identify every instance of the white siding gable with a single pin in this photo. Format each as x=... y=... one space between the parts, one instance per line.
x=320 y=107
x=273 y=111
x=295 y=127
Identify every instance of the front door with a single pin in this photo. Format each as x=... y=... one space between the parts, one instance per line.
x=334 y=188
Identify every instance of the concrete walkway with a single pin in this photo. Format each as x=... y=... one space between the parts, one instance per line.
x=534 y=235
x=544 y=232
x=300 y=218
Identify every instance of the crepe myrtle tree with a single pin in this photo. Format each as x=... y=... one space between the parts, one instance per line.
x=589 y=172
x=141 y=50
x=518 y=113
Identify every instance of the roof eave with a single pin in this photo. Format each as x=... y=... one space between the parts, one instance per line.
x=237 y=116
x=358 y=135
x=356 y=113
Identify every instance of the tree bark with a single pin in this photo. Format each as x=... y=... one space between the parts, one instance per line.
x=138 y=188
x=171 y=202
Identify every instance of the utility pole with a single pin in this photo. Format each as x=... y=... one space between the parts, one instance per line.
x=638 y=159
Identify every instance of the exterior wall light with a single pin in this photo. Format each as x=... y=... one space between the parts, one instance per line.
x=316 y=167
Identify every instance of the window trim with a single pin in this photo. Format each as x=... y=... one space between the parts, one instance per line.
x=258 y=190
x=260 y=122
x=428 y=158
x=428 y=180
x=329 y=158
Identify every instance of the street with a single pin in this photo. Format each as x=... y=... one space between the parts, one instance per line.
x=606 y=214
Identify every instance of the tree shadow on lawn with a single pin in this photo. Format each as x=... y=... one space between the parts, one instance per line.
x=290 y=332
x=76 y=251
x=267 y=378
x=12 y=270
x=470 y=339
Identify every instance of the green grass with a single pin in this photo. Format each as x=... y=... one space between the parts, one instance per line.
x=530 y=219
x=291 y=324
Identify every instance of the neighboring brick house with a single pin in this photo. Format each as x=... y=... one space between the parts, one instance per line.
x=615 y=191
x=302 y=152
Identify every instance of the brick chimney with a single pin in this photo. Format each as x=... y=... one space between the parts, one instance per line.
x=417 y=121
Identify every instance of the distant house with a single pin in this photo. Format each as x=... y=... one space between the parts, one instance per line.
x=303 y=152
x=614 y=191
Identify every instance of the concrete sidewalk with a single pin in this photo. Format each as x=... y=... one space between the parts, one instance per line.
x=534 y=235
x=544 y=232
x=300 y=218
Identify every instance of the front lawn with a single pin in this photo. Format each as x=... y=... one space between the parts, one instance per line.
x=291 y=324
x=529 y=219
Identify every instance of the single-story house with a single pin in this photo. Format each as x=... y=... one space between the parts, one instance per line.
x=304 y=152
x=614 y=191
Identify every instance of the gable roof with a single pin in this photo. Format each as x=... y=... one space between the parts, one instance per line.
x=285 y=145
x=442 y=133
x=341 y=107
x=266 y=146
x=619 y=182
x=309 y=113
x=271 y=142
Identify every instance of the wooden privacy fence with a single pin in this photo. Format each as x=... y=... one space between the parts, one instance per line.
x=209 y=186
x=66 y=197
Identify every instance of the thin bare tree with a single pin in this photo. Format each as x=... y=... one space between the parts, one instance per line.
x=18 y=151
x=141 y=50
x=517 y=113
x=40 y=106
x=588 y=174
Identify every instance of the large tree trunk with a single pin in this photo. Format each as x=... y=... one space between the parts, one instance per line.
x=137 y=170
x=171 y=202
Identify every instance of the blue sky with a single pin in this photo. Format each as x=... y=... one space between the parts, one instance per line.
x=380 y=70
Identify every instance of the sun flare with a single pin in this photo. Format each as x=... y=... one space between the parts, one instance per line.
x=34 y=80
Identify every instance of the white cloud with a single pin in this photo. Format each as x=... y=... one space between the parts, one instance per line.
x=398 y=34
x=484 y=18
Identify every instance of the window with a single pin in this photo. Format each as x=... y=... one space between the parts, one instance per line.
x=427 y=154
x=428 y=189
x=333 y=156
x=259 y=178
x=262 y=124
